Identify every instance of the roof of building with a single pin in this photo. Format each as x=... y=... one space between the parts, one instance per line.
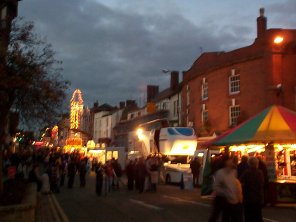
x=210 y=61
x=167 y=93
x=103 y=107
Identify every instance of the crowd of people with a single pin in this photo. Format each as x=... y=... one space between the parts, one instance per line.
x=51 y=170
x=143 y=174
x=239 y=189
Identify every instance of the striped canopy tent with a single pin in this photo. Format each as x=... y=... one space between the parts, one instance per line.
x=274 y=124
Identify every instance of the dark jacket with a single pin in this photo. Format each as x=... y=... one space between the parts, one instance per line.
x=130 y=170
x=263 y=168
x=241 y=168
x=141 y=171
x=253 y=186
x=195 y=166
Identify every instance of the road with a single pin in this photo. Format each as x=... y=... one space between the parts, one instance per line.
x=168 y=204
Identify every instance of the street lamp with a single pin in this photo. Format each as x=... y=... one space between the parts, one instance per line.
x=140 y=133
x=278 y=40
x=277 y=65
x=165 y=71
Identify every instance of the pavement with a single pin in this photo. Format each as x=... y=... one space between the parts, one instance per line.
x=168 y=204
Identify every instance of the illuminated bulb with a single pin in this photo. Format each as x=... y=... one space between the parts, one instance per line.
x=140 y=134
x=278 y=40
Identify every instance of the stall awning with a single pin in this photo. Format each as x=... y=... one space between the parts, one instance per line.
x=274 y=124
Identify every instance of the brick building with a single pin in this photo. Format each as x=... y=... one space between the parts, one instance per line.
x=222 y=89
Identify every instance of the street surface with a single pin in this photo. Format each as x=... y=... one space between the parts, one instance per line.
x=168 y=204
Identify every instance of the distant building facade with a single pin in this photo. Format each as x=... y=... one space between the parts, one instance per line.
x=170 y=100
x=101 y=122
x=222 y=89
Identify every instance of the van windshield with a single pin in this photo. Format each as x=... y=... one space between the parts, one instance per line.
x=179 y=159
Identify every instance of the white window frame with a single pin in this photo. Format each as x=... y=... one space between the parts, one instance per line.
x=232 y=116
x=204 y=89
x=203 y=112
x=234 y=83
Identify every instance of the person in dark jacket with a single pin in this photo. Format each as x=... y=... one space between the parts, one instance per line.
x=62 y=173
x=263 y=168
x=99 y=178
x=71 y=173
x=195 y=167
x=141 y=174
x=130 y=173
x=54 y=178
x=82 y=173
x=253 y=189
x=242 y=166
x=118 y=173
x=34 y=176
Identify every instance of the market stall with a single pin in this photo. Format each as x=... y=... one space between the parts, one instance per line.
x=272 y=135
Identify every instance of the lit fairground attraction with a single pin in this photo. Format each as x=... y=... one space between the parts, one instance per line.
x=270 y=135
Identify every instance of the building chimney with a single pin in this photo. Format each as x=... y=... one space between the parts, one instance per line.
x=121 y=105
x=131 y=103
x=96 y=104
x=174 y=80
x=152 y=91
x=261 y=23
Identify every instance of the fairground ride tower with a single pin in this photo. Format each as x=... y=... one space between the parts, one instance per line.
x=76 y=109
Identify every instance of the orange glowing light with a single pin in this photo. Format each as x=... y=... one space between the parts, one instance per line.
x=278 y=40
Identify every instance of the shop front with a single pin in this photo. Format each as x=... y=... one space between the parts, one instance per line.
x=280 y=160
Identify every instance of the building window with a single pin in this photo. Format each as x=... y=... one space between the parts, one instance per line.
x=204 y=89
x=234 y=112
x=234 y=82
x=204 y=114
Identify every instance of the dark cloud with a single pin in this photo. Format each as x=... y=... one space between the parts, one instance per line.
x=111 y=53
x=284 y=13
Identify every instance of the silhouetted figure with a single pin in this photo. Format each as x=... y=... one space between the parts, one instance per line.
x=71 y=173
x=195 y=168
x=253 y=190
x=130 y=173
x=34 y=177
x=54 y=187
x=82 y=173
x=62 y=173
x=141 y=174
x=99 y=178
x=118 y=173
x=242 y=166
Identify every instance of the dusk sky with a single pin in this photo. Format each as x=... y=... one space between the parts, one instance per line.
x=111 y=49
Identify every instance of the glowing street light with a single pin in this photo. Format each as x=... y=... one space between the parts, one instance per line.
x=140 y=134
x=278 y=40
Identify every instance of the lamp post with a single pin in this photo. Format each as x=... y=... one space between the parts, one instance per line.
x=277 y=65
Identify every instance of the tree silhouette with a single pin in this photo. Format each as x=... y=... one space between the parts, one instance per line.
x=31 y=82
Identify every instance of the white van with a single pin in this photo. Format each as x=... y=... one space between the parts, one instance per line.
x=178 y=145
